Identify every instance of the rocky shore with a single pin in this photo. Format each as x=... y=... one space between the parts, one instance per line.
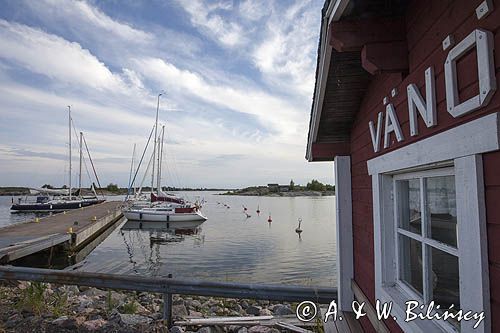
x=38 y=307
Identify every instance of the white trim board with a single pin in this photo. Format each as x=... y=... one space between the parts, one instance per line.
x=343 y=202
x=475 y=137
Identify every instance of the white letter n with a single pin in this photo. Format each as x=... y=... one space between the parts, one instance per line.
x=427 y=108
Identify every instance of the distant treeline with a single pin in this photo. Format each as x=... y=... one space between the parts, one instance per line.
x=291 y=189
x=110 y=189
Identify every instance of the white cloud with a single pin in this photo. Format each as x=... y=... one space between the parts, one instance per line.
x=254 y=10
x=286 y=57
x=273 y=112
x=205 y=16
x=91 y=16
x=53 y=57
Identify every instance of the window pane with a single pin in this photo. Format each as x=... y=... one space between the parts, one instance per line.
x=410 y=262
x=409 y=205
x=445 y=280
x=442 y=209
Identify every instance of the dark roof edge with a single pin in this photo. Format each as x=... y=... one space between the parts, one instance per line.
x=332 y=11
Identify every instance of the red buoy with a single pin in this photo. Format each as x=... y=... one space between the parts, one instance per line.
x=269 y=219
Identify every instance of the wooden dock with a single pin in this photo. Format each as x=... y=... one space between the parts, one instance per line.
x=73 y=229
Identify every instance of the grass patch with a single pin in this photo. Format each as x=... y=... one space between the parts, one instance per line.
x=34 y=298
x=129 y=308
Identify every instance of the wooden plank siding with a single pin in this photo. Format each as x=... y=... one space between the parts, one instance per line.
x=427 y=25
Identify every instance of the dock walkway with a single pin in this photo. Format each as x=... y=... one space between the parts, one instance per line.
x=22 y=239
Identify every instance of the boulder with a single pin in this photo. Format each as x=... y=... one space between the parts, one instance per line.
x=259 y=329
x=176 y=329
x=253 y=310
x=195 y=304
x=206 y=329
x=282 y=310
x=265 y=312
x=133 y=319
x=179 y=310
x=94 y=325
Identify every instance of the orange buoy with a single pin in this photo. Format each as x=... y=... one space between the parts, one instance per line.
x=258 y=210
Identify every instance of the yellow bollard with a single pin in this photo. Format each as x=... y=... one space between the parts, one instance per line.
x=94 y=218
x=37 y=219
x=70 y=230
x=64 y=212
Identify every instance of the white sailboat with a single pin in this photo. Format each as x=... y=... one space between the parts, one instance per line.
x=58 y=200
x=163 y=207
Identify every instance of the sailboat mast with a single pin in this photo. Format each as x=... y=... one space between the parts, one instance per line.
x=81 y=159
x=69 y=137
x=131 y=169
x=160 y=159
x=155 y=142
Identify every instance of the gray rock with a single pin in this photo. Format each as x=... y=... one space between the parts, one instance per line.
x=236 y=307
x=94 y=325
x=282 y=310
x=65 y=322
x=259 y=329
x=195 y=304
x=244 y=304
x=243 y=330
x=93 y=292
x=265 y=312
x=179 y=310
x=253 y=310
x=178 y=302
x=193 y=313
x=206 y=329
x=176 y=329
x=133 y=319
x=233 y=328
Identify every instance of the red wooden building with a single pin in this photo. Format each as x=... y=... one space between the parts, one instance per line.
x=406 y=105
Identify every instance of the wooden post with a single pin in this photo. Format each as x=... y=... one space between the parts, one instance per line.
x=167 y=309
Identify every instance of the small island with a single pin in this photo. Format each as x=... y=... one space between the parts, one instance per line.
x=313 y=188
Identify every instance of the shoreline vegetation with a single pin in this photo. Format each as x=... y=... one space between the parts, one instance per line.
x=313 y=188
x=44 y=307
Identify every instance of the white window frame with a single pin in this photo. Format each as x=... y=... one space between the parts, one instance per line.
x=461 y=148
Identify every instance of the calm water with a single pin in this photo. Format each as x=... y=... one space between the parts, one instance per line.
x=228 y=246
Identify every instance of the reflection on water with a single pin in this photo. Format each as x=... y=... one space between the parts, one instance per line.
x=230 y=246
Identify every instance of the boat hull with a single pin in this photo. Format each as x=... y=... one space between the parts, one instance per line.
x=136 y=215
x=53 y=207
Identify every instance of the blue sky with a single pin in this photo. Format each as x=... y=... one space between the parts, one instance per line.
x=238 y=78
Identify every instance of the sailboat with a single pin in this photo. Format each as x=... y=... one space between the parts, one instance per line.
x=57 y=200
x=163 y=207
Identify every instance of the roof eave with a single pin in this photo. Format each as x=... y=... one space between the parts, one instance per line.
x=334 y=12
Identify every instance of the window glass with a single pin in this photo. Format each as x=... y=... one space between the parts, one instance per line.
x=410 y=262
x=445 y=280
x=410 y=215
x=442 y=209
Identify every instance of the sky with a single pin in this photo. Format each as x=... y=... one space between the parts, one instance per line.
x=236 y=79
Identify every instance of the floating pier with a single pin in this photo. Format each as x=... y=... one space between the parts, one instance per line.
x=72 y=229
